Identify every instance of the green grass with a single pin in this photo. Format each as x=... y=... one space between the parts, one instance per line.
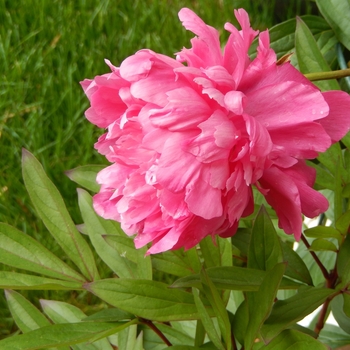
x=47 y=47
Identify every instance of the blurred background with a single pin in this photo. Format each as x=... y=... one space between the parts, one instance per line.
x=47 y=47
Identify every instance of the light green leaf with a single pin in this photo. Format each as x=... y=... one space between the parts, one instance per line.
x=337 y=306
x=296 y=267
x=334 y=336
x=61 y=312
x=292 y=339
x=85 y=176
x=260 y=303
x=127 y=338
x=207 y=321
x=321 y=244
x=117 y=262
x=337 y=14
x=148 y=299
x=57 y=335
x=264 y=248
x=289 y=311
x=14 y=280
x=52 y=210
x=24 y=313
x=310 y=58
x=23 y=252
x=323 y=232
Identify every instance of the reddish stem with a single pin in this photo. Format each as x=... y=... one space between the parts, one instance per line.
x=155 y=330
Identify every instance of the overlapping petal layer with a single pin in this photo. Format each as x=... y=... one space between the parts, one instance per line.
x=188 y=138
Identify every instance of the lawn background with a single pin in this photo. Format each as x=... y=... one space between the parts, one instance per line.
x=46 y=48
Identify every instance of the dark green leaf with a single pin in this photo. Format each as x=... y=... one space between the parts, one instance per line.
x=240 y=322
x=296 y=267
x=232 y=278
x=207 y=321
x=52 y=210
x=346 y=307
x=219 y=308
x=343 y=261
x=148 y=299
x=292 y=339
x=85 y=176
x=264 y=249
x=289 y=311
x=23 y=252
x=216 y=254
x=14 y=280
x=324 y=179
x=57 y=335
x=310 y=58
x=337 y=14
x=343 y=223
x=260 y=303
x=320 y=244
x=241 y=240
x=109 y=315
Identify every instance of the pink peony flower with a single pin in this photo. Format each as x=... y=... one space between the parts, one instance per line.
x=189 y=137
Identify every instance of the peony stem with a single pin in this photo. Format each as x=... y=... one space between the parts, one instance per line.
x=156 y=330
x=317 y=260
x=336 y=74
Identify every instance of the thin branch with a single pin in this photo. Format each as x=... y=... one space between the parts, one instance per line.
x=317 y=260
x=155 y=330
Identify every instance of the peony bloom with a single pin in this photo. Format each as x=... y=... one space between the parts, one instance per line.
x=189 y=137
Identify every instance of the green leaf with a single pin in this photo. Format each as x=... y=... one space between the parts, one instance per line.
x=109 y=315
x=14 y=280
x=292 y=339
x=148 y=299
x=323 y=232
x=219 y=308
x=343 y=261
x=324 y=179
x=85 y=176
x=337 y=306
x=174 y=263
x=23 y=252
x=337 y=14
x=261 y=302
x=320 y=244
x=61 y=312
x=346 y=307
x=52 y=210
x=117 y=262
x=24 y=313
x=296 y=267
x=289 y=311
x=240 y=322
x=309 y=56
x=218 y=253
x=334 y=336
x=207 y=321
x=264 y=249
x=127 y=338
x=232 y=278
x=241 y=240
x=343 y=223
x=57 y=335
x=282 y=35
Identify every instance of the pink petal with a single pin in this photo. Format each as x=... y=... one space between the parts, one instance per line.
x=337 y=122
